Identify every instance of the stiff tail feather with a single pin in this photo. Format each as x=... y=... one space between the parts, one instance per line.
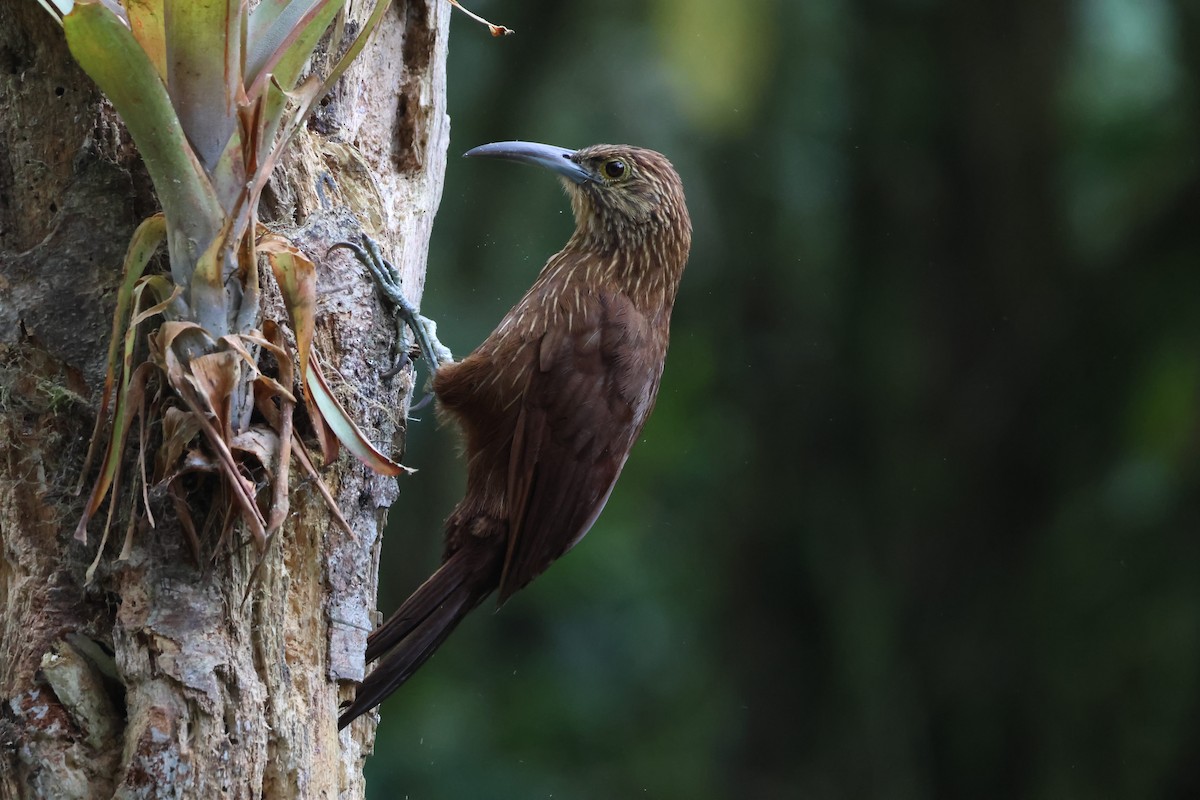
x=418 y=628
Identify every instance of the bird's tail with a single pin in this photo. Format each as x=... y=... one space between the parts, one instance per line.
x=418 y=628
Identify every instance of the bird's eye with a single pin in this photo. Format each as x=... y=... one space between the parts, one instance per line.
x=615 y=168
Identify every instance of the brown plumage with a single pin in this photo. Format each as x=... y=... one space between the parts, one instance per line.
x=552 y=401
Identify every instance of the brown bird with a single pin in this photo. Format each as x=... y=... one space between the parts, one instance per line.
x=552 y=401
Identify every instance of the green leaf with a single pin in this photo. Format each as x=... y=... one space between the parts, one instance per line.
x=283 y=47
x=204 y=54
x=109 y=53
x=146 y=240
x=146 y=23
x=261 y=18
x=229 y=174
x=128 y=402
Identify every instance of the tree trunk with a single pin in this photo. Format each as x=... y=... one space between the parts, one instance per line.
x=165 y=677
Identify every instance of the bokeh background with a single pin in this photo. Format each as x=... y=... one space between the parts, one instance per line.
x=918 y=513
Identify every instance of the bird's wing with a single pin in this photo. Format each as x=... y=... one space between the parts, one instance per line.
x=584 y=407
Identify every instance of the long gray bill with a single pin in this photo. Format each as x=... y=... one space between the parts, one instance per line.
x=556 y=159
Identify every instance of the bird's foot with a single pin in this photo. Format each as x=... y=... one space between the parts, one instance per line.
x=387 y=279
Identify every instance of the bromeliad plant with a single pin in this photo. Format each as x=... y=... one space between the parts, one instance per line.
x=211 y=93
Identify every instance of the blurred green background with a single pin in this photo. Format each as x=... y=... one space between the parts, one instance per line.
x=917 y=514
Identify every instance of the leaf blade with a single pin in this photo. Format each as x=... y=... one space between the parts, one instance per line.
x=108 y=51
x=349 y=434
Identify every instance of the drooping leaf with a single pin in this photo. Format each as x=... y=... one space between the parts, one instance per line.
x=171 y=345
x=179 y=428
x=214 y=376
x=124 y=409
x=146 y=240
x=344 y=428
x=297 y=279
x=132 y=523
x=110 y=470
x=261 y=444
x=306 y=461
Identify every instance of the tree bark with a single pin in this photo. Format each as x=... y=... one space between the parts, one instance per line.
x=165 y=677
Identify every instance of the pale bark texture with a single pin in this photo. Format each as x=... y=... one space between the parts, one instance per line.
x=158 y=679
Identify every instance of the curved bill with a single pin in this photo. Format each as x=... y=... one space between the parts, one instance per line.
x=556 y=159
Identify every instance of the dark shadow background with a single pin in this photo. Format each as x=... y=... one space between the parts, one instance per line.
x=917 y=514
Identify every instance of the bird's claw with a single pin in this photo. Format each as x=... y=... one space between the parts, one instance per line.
x=402 y=360
x=440 y=352
x=387 y=279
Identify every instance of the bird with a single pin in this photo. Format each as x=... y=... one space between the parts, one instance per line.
x=551 y=403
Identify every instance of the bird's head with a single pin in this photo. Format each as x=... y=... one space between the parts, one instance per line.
x=622 y=196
